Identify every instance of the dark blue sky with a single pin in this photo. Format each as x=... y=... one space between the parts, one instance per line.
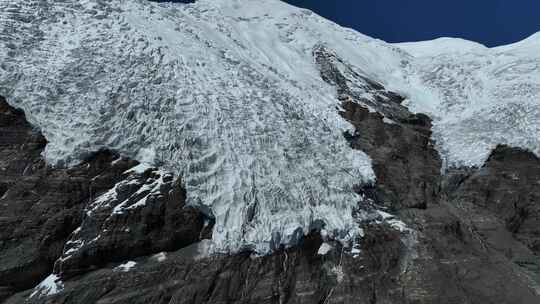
x=490 y=22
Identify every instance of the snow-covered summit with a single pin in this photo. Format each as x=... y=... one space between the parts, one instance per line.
x=531 y=44
x=439 y=46
x=227 y=94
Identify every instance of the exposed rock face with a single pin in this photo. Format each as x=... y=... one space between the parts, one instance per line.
x=471 y=235
x=509 y=187
x=141 y=215
x=297 y=275
x=405 y=162
x=453 y=257
x=43 y=206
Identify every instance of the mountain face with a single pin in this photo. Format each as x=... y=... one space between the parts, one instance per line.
x=246 y=151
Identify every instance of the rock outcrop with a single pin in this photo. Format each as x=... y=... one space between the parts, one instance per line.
x=46 y=222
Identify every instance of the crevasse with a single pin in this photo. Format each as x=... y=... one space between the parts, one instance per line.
x=226 y=93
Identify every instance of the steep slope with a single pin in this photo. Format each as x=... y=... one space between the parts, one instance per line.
x=295 y=137
x=200 y=90
x=227 y=94
x=457 y=249
x=479 y=97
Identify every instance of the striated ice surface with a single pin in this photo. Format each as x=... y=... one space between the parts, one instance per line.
x=227 y=94
x=478 y=97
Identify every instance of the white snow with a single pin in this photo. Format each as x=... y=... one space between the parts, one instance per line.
x=385 y=215
x=150 y=187
x=51 y=285
x=226 y=93
x=478 y=97
x=398 y=225
x=389 y=121
x=160 y=257
x=440 y=46
x=392 y=221
x=75 y=243
x=105 y=199
x=324 y=249
x=125 y=267
x=139 y=169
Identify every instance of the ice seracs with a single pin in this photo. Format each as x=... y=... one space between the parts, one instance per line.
x=199 y=89
x=227 y=94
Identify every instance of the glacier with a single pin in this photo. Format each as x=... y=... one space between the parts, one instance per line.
x=478 y=97
x=227 y=94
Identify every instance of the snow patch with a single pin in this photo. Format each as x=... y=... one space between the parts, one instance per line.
x=442 y=46
x=127 y=266
x=355 y=251
x=392 y=221
x=149 y=187
x=398 y=225
x=160 y=257
x=324 y=249
x=389 y=121
x=478 y=97
x=51 y=285
x=139 y=169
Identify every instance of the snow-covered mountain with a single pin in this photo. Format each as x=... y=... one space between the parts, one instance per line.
x=478 y=97
x=228 y=94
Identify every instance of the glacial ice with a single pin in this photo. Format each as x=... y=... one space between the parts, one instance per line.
x=478 y=97
x=199 y=89
x=226 y=93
